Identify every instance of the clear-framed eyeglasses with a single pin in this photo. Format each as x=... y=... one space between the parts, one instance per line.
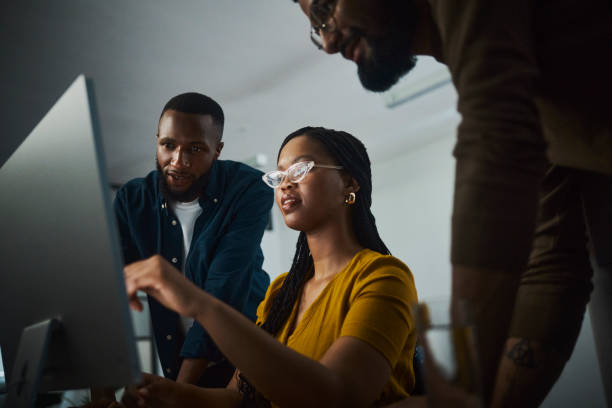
x=295 y=173
x=321 y=20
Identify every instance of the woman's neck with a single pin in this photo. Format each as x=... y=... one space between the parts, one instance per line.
x=332 y=248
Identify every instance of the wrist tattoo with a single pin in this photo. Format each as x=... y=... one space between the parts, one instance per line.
x=522 y=354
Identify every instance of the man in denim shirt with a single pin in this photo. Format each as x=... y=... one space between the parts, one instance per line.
x=206 y=217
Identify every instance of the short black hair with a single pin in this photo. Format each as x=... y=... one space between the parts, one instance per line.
x=193 y=102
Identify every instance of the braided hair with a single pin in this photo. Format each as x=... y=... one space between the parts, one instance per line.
x=351 y=154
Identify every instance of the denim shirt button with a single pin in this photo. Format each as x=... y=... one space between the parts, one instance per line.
x=215 y=200
x=174 y=260
x=173 y=222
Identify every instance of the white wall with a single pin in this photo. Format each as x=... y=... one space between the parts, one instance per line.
x=412 y=204
x=412 y=197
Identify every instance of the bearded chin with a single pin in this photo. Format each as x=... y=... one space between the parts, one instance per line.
x=188 y=195
x=376 y=80
x=383 y=69
x=391 y=56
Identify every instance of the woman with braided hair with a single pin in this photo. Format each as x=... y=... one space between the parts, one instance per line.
x=336 y=330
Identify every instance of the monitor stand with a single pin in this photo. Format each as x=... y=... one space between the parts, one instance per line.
x=29 y=363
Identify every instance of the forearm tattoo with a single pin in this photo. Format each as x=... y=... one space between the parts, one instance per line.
x=522 y=354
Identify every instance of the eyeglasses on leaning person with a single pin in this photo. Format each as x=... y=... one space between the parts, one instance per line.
x=295 y=173
x=321 y=20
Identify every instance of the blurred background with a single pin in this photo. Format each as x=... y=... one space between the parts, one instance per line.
x=255 y=58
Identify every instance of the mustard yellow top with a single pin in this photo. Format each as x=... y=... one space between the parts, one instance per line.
x=369 y=300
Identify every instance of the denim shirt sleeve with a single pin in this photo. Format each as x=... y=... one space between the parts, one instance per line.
x=230 y=276
x=128 y=248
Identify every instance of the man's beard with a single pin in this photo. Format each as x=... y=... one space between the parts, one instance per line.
x=386 y=65
x=188 y=195
x=391 y=56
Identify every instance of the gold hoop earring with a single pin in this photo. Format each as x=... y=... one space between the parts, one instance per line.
x=350 y=199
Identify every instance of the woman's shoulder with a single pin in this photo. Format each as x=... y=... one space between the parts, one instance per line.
x=373 y=268
x=368 y=262
x=277 y=282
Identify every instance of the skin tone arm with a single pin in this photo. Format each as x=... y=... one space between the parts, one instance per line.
x=527 y=371
x=192 y=370
x=491 y=295
x=351 y=373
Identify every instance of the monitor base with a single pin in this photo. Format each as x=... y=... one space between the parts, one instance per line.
x=29 y=363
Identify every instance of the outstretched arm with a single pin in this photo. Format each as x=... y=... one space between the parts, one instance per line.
x=351 y=373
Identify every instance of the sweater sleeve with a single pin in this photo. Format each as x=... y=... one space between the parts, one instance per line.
x=488 y=47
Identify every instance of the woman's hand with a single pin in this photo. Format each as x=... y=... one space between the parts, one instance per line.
x=154 y=392
x=159 y=392
x=158 y=278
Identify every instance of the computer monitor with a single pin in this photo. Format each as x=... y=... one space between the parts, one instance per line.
x=60 y=258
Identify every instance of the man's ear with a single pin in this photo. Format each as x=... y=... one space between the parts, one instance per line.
x=219 y=148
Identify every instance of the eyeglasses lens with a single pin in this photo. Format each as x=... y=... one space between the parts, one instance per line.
x=297 y=172
x=274 y=178
x=316 y=39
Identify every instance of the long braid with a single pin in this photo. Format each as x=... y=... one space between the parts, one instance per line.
x=283 y=303
x=351 y=154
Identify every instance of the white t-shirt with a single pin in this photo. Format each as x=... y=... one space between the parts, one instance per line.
x=187 y=214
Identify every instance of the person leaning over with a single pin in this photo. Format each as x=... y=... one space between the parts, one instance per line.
x=534 y=163
x=206 y=217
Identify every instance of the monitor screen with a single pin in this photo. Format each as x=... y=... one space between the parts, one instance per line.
x=2 y=378
x=60 y=253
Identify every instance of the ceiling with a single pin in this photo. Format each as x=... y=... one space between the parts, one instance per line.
x=254 y=57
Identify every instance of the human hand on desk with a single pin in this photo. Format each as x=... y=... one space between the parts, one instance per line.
x=159 y=392
x=158 y=278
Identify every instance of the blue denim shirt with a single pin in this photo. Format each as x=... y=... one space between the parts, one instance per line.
x=225 y=257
